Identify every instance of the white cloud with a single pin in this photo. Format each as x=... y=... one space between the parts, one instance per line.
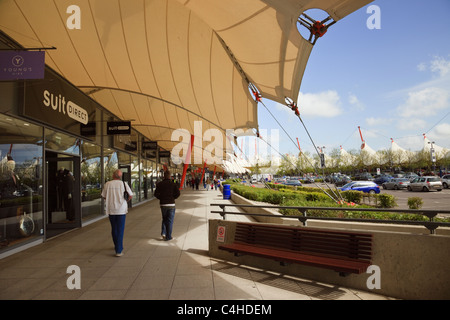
x=377 y=121
x=412 y=143
x=441 y=134
x=354 y=101
x=422 y=67
x=323 y=104
x=443 y=129
x=424 y=103
x=412 y=124
x=440 y=65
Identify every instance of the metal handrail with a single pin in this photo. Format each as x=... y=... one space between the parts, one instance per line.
x=430 y=225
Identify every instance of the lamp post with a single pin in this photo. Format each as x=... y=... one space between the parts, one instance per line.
x=322 y=160
x=322 y=157
x=432 y=155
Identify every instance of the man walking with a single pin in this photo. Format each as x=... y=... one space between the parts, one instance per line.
x=167 y=191
x=117 y=208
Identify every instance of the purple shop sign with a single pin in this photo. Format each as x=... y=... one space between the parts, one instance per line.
x=18 y=65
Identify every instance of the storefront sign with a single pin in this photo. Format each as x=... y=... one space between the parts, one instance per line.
x=56 y=102
x=164 y=154
x=88 y=130
x=118 y=127
x=15 y=65
x=131 y=146
x=149 y=145
x=127 y=142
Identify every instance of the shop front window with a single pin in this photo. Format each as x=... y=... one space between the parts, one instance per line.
x=21 y=217
x=91 y=181
x=110 y=162
x=135 y=179
x=58 y=141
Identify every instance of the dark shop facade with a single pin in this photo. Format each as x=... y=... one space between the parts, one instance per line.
x=57 y=149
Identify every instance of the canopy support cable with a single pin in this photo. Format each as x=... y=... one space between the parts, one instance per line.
x=293 y=107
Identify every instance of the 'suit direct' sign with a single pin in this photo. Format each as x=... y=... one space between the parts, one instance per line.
x=71 y=109
x=118 y=127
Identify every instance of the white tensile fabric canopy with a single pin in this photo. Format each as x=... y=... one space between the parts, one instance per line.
x=164 y=64
x=400 y=154
x=346 y=159
x=440 y=152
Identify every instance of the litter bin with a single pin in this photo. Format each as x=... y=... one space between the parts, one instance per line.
x=226 y=192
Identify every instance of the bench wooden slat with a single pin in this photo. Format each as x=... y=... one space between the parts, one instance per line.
x=339 y=265
x=305 y=241
x=348 y=252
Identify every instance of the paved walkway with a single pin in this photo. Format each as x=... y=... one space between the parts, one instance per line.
x=151 y=268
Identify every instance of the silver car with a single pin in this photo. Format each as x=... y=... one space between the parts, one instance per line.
x=396 y=183
x=446 y=180
x=426 y=183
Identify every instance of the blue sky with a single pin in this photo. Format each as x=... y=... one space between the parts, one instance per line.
x=393 y=82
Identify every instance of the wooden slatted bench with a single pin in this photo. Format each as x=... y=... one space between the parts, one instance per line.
x=341 y=251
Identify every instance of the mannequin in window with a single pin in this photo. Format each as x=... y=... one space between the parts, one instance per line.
x=10 y=181
x=9 y=184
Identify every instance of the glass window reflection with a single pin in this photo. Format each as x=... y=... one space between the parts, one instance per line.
x=61 y=142
x=91 y=180
x=20 y=181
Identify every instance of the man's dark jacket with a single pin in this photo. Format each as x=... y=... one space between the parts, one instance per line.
x=167 y=191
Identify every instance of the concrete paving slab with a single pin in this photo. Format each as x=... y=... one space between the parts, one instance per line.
x=152 y=269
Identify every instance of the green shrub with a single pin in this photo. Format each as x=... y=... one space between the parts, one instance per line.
x=415 y=203
x=312 y=197
x=294 y=198
x=386 y=200
x=352 y=196
x=317 y=196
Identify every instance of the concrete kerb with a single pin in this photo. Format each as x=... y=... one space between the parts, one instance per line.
x=413 y=264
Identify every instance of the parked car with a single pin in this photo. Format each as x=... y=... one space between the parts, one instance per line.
x=411 y=175
x=364 y=176
x=308 y=180
x=396 y=184
x=341 y=180
x=426 y=183
x=295 y=183
x=278 y=180
x=382 y=179
x=445 y=180
x=364 y=186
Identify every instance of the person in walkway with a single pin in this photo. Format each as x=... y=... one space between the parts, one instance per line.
x=215 y=183
x=167 y=191
x=117 y=208
x=197 y=182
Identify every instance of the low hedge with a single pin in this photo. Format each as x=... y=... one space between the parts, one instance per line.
x=309 y=197
x=352 y=214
